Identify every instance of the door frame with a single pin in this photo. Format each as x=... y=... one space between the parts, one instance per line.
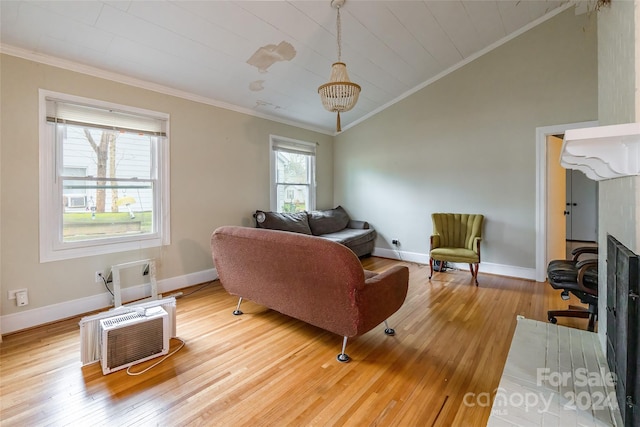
x=542 y=188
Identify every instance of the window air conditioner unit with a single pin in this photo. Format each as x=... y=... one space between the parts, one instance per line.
x=77 y=201
x=133 y=337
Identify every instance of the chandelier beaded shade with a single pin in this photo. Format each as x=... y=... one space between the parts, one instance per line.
x=340 y=94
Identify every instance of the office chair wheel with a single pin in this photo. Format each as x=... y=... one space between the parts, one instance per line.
x=553 y=320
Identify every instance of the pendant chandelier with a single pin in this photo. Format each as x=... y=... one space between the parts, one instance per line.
x=340 y=94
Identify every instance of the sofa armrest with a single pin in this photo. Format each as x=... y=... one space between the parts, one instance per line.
x=381 y=296
x=360 y=225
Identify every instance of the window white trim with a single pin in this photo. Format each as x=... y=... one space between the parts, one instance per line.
x=281 y=143
x=50 y=210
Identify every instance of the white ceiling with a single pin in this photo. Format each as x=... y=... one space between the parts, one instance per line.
x=203 y=49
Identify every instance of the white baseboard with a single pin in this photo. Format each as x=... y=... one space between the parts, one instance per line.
x=401 y=255
x=51 y=313
x=485 y=267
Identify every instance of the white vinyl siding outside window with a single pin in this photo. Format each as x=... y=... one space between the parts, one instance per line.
x=104 y=179
x=293 y=175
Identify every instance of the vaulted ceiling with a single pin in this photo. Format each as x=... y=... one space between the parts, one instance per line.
x=267 y=58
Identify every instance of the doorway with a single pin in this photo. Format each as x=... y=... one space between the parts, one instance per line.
x=572 y=205
x=550 y=243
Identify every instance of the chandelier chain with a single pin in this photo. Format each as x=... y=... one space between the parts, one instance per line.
x=339 y=38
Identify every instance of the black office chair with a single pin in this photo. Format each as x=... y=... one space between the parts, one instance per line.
x=580 y=278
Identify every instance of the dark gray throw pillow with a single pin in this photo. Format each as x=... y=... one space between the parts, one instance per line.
x=295 y=222
x=329 y=221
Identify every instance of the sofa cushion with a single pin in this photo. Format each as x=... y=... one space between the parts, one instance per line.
x=454 y=254
x=296 y=222
x=351 y=236
x=328 y=221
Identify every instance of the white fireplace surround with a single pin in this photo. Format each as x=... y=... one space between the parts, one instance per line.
x=603 y=152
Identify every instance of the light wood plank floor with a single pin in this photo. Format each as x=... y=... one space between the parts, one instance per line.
x=264 y=368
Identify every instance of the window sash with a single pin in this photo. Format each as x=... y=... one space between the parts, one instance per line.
x=138 y=183
x=62 y=132
x=283 y=179
x=88 y=182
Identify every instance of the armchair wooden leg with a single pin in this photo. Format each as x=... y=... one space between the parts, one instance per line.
x=431 y=267
x=474 y=272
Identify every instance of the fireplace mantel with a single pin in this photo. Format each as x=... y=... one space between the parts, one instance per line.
x=603 y=152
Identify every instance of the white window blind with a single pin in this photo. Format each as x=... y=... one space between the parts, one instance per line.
x=83 y=115
x=294 y=147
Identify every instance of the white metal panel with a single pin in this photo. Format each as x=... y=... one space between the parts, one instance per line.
x=399 y=39
x=486 y=20
x=421 y=23
x=454 y=20
x=366 y=36
x=515 y=14
x=86 y=12
x=194 y=28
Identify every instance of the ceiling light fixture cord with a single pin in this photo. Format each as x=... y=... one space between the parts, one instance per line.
x=339 y=38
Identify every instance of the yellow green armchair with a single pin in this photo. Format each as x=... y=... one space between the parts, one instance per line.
x=456 y=238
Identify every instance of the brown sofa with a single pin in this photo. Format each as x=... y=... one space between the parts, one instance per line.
x=331 y=224
x=311 y=279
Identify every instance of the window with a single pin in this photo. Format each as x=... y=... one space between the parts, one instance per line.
x=293 y=175
x=103 y=179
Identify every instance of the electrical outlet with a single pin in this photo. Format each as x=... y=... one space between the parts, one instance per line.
x=22 y=298
x=98 y=276
x=395 y=242
x=12 y=294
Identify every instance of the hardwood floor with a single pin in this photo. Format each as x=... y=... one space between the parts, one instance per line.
x=264 y=368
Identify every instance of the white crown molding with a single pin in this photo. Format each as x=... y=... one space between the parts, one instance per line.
x=42 y=315
x=462 y=63
x=142 y=84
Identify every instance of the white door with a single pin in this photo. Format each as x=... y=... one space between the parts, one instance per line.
x=581 y=207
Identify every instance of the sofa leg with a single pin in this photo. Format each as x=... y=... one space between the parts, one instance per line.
x=343 y=357
x=387 y=330
x=237 y=311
